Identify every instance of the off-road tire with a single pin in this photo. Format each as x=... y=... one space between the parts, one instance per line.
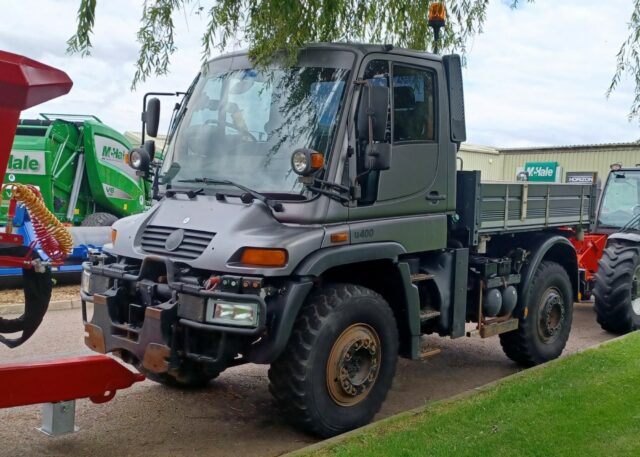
x=298 y=378
x=99 y=220
x=527 y=345
x=192 y=375
x=614 y=288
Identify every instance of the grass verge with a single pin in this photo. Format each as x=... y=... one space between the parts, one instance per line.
x=583 y=405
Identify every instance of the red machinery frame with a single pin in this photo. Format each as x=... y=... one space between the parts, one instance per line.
x=23 y=84
x=589 y=250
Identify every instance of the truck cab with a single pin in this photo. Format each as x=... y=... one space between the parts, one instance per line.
x=312 y=218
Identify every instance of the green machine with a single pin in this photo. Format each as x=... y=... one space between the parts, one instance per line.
x=80 y=165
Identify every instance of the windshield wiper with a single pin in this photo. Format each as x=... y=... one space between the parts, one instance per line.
x=277 y=207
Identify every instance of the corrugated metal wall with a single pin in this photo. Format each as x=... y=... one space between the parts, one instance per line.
x=597 y=159
x=488 y=160
x=502 y=165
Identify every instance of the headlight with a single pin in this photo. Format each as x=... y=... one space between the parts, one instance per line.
x=239 y=314
x=306 y=161
x=299 y=162
x=85 y=282
x=139 y=159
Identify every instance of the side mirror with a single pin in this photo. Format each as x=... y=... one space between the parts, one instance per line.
x=374 y=104
x=150 y=147
x=151 y=117
x=379 y=156
x=139 y=159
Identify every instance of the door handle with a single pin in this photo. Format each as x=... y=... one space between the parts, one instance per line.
x=435 y=197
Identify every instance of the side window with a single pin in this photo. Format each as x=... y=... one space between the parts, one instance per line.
x=413 y=104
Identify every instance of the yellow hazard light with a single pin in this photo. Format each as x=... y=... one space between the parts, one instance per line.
x=114 y=235
x=437 y=13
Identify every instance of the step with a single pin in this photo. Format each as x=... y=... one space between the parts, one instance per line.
x=419 y=277
x=428 y=314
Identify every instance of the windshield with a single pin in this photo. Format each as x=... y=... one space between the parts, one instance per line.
x=621 y=199
x=243 y=125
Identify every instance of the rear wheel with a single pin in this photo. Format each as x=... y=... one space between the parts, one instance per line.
x=99 y=220
x=338 y=366
x=617 y=289
x=544 y=327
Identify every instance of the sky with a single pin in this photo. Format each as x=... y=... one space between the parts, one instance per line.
x=537 y=76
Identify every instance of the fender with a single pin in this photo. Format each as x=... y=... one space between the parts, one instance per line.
x=631 y=237
x=320 y=261
x=556 y=248
x=285 y=310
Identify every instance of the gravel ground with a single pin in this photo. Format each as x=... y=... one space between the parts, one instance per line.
x=235 y=415
x=12 y=296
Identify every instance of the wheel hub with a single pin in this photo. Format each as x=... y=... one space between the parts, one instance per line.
x=353 y=364
x=551 y=315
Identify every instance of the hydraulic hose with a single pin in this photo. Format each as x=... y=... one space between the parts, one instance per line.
x=55 y=240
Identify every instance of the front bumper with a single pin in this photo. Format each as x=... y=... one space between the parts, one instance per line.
x=158 y=324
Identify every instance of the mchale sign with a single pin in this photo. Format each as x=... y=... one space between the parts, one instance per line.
x=542 y=171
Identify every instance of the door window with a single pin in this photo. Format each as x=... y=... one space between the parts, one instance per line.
x=413 y=104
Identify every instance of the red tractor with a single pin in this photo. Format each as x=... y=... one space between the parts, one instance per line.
x=610 y=256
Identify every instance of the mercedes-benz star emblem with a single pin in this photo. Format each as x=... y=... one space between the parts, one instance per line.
x=174 y=240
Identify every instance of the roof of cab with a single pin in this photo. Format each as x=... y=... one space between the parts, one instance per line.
x=359 y=48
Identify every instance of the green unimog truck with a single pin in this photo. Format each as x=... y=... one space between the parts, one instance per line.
x=312 y=218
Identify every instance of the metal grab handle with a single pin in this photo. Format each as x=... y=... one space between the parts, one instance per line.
x=435 y=197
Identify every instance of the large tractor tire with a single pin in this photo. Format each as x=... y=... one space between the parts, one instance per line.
x=544 y=328
x=338 y=366
x=617 y=288
x=99 y=220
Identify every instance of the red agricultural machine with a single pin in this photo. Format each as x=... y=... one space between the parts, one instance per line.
x=57 y=383
x=609 y=257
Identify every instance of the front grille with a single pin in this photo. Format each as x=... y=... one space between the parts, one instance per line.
x=192 y=246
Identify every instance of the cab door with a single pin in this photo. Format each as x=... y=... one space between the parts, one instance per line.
x=416 y=182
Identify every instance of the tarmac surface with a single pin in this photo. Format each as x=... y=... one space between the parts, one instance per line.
x=234 y=415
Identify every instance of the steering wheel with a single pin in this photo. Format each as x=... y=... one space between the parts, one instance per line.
x=635 y=210
x=244 y=132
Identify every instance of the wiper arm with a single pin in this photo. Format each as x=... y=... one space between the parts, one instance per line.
x=277 y=207
x=190 y=193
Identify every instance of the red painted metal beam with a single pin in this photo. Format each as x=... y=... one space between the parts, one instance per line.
x=96 y=377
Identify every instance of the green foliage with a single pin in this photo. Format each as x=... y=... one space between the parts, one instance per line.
x=628 y=60
x=268 y=26
x=81 y=41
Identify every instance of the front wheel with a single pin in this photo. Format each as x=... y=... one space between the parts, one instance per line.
x=544 y=327
x=617 y=289
x=337 y=368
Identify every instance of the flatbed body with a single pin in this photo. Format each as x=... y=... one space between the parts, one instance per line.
x=496 y=208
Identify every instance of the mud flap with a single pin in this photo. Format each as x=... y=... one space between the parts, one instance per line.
x=37 y=293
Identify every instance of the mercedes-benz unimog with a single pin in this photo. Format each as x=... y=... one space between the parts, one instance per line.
x=311 y=217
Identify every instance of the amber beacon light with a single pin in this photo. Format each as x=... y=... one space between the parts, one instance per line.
x=437 y=20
